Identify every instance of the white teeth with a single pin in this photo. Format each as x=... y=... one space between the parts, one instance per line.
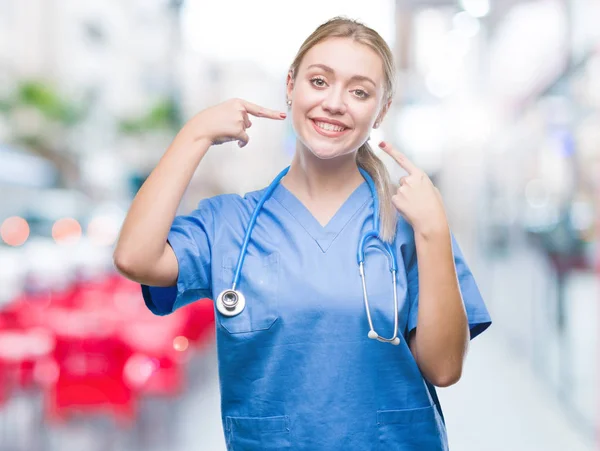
x=330 y=127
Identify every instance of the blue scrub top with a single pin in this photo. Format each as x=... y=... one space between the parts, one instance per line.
x=296 y=368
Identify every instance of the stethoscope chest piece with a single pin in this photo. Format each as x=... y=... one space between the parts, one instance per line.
x=231 y=302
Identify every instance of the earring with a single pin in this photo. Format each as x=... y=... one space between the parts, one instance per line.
x=289 y=103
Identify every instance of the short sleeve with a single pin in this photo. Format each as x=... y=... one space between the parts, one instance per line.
x=477 y=313
x=190 y=237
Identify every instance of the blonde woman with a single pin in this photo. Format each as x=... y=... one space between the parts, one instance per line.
x=340 y=301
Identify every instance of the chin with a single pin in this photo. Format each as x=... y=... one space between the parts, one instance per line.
x=324 y=150
x=325 y=154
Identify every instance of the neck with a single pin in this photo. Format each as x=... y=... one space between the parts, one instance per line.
x=318 y=179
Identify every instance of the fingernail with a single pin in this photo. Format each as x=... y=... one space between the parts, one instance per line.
x=283 y=115
x=382 y=144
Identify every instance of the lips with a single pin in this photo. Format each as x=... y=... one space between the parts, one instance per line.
x=329 y=128
x=326 y=120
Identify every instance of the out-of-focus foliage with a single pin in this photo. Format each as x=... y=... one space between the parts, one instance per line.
x=44 y=98
x=164 y=115
x=40 y=119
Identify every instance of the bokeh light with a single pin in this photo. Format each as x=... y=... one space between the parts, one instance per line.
x=180 y=343
x=14 y=231
x=66 y=230
x=138 y=369
x=103 y=230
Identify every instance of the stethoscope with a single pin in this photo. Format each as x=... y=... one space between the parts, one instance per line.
x=231 y=302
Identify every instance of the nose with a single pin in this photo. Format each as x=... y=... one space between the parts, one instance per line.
x=334 y=102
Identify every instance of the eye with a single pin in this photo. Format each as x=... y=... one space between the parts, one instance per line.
x=361 y=94
x=318 y=82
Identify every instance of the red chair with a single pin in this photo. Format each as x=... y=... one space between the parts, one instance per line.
x=20 y=350
x=199 y=326
x=158 y=366
x=90 y=380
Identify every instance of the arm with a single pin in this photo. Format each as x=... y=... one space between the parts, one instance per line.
x=440 y=341
x=142 y=253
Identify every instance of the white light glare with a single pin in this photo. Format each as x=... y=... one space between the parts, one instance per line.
x=476 y=8
x=465 y=24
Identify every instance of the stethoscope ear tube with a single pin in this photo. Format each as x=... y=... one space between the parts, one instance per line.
x=372 y=334
x=374 y=233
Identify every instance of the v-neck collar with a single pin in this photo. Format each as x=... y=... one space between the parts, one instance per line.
x=323 y=235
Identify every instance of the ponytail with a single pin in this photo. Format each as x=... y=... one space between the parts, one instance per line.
x=367 y=160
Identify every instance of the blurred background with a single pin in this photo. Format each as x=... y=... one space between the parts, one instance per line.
x=498 y=100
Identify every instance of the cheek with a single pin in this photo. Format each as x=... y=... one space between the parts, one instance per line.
x=368 y=118
x=364 y=117
x=298 y=115
x=305 y=100
x=301 y=107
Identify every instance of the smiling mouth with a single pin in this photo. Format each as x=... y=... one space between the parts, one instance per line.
x=329 y=130
x=329 y=127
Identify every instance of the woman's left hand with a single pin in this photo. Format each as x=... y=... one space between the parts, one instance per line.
x=417 y=199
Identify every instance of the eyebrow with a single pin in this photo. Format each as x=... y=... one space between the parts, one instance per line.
x=355 y=77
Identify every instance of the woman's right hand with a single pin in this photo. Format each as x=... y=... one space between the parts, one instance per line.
x=228 y=121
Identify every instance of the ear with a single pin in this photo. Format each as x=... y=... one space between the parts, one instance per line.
x=382 y=113
x=289 y=84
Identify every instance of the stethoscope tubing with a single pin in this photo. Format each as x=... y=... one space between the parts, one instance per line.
x=227 y=302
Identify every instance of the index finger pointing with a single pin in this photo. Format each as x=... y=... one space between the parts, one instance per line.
x=399 y=157
x=259 y=111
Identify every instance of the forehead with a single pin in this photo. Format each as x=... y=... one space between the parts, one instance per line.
x=346 y=57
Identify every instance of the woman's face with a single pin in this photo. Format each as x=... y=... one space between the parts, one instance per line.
x=336 y=97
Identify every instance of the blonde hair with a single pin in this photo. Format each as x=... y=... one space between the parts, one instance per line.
x=342 y=27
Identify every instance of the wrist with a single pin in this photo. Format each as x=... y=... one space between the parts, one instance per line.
x=191 y=137
x=194 y=132
x=433 y=231
x=184 y=148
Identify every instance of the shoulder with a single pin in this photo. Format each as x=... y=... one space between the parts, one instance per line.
x=405 y=241
x=232 y=209
x=225 y=203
